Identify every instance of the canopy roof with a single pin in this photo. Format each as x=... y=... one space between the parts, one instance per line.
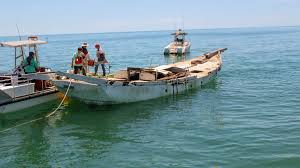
x=179 y=32
x=22 y=43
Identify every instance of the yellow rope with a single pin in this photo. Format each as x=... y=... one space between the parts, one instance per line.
x=62 y=101
x=47 y=116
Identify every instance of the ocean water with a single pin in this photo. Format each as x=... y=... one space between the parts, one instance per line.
x=248 y=117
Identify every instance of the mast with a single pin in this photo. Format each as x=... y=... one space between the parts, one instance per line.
x=22 y=49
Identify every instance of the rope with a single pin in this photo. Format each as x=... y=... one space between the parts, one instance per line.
x=62 y=101
x=41 y=118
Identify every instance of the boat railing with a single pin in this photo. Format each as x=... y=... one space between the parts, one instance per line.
x=13 y=80
x=31 y=86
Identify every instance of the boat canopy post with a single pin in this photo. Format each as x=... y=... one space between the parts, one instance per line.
x=35 y=47
x=21 y=56
x=15 y=57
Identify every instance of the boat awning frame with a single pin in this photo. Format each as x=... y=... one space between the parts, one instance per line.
x=22 y=43
x=180 y=33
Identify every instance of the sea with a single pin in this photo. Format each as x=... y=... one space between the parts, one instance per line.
x=248 y=117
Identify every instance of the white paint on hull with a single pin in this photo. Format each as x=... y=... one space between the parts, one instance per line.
x=26 y=103
x=96 y=94
x=174 y=48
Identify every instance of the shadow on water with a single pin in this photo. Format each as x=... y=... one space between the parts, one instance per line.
x=13 y=118
x=173 y=58
x=107 y=116
x=117 y=112
x=81 y=113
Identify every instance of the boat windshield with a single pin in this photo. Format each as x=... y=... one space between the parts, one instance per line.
x=179 y=39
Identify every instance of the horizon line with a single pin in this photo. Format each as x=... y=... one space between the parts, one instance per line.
x=135 y=31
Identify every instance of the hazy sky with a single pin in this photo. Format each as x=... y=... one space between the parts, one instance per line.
x=84 y=16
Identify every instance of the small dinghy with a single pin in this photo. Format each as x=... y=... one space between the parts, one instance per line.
x=139 y=84
x=179 y=46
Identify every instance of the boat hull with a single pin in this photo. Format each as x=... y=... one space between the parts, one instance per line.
x=152 y=83
x=28 y=102
x=97 y=94
x=173 y=49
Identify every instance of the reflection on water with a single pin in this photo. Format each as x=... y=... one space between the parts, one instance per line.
x=173 y=58
x=21 y=116
x=33 y=145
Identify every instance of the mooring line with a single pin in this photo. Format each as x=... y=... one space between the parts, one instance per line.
x=41 y=118
x=62 y=101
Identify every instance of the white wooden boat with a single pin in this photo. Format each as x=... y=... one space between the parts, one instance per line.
x=179 y=46
x=139 y=84
x=19 y=90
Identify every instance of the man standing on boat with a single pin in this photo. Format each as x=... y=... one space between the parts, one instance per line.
x=100 y=59
x=77 y=62
x=86 y=56
x=30 y=64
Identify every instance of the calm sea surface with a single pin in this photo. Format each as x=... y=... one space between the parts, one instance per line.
x=248 y=117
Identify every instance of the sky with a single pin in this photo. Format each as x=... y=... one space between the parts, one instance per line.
x=96 y=16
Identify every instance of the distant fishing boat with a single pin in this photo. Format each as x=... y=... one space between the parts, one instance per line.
x=138 y=84
x=19 y=90
x=180 y=45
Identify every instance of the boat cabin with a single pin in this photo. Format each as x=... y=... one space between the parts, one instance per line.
x=179 y=45
x=18 y=86
x=179 y=36
x=19 y=48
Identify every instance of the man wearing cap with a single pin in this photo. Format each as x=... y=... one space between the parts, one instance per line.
x=100 y=59
x=77 y=62
x=86 y=56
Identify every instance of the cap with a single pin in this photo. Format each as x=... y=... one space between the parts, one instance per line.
x=97 y=45
x=84 y=44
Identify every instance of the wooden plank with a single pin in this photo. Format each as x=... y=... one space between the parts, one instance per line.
x=178 y=75
x=146 y=76
x=92 y=80
x=40 y=76
x=121 y=74
x=209 y=55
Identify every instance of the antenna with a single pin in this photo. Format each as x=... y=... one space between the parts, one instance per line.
x=18 y=32
x=182 y=22
x=183 y=26
x=175 y=25
x=22 y=48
